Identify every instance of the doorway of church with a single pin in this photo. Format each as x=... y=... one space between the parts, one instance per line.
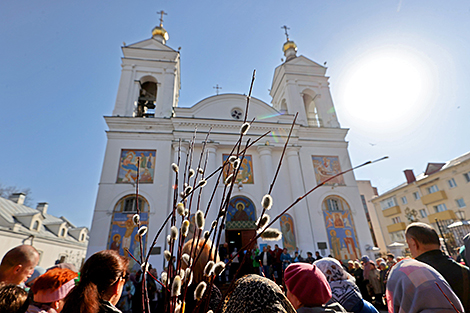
x=239 y=238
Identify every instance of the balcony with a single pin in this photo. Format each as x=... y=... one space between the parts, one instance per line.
x=396 y=227
x=434 y=197
x=391 y=211
x=444 y=215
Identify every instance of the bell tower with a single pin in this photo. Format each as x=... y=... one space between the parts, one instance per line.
x=150 y=78
x=300 y=85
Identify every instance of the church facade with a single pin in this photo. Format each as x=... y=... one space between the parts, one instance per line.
x=148 y=124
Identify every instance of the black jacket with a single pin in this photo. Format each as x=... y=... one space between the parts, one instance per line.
x=457 y=275
x=261 y=256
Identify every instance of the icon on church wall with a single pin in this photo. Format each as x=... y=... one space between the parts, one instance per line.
x=340 y=229
x=241 y=213
x=326 y=167
x=127 y=172
x=245 y=173
x=288 y=232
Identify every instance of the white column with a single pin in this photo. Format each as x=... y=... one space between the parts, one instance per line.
x=266 y=158
x=212 y=165
x=300 y=211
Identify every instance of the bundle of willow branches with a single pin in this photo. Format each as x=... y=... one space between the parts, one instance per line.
x=187 y=201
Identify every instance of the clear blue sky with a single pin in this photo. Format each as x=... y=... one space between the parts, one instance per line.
x=400 y=72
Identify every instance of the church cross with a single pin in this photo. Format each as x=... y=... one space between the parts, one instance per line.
x=216 y=87
x=161 y=17
x=285 y=31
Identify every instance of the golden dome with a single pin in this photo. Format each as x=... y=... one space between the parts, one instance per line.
x=288 y=45
x=160 y=31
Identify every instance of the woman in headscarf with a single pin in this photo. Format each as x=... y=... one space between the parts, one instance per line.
x=50 y=289
x=413 y=286
x=253 y=293
x=343 y=287
x=308 y=290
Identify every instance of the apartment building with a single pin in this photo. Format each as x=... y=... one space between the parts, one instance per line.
x=439 y=195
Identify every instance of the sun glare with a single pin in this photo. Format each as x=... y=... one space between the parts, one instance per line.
x=386 y=88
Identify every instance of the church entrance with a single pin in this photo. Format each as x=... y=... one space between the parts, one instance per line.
x=240 y=224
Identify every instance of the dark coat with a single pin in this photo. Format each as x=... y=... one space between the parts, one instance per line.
x=457 y=275
x=261 y=256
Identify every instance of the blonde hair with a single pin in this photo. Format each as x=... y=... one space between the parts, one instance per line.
x=206 y=255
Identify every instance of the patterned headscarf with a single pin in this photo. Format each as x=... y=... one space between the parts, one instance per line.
x=411 y=287
x=343 y=287
x=253 y=293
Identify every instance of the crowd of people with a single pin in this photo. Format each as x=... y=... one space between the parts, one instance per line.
x=270 y=280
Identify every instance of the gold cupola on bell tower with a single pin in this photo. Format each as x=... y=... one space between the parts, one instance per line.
x=158 y=32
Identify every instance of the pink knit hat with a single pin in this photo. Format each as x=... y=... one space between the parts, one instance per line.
x=48 y=296
x=308 y=284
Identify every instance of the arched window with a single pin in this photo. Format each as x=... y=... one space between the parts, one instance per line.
x=62 y=232
x=147 y=99
x=311 y=110
x=36 y=225
x=128 y=204
x=283 y=107
x=82 y=237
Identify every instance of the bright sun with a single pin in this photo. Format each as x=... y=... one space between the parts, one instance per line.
x=386 y=88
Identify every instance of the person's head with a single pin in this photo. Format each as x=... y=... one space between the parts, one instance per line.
x=102 y=277
x=332 y=269
x=372 y=265
x=284 y=250
x=399 y=258
x=317 y=253
x=309 y=254
x=13 y=299
x=383 y=266
x=276 y=246
x=206 y=255
x=390 y=257
x=265 y=249
x=411 y=287
x=253 y=293
x=18 y=264
x=365 y=259
x=269 y=247
x=350 y=264
x=306 y=285
x=53 y=286
x=421 y=238
x=378 y=261
x=357 y=265
x=296 y=253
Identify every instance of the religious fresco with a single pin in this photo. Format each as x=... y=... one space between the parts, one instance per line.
x=288 y=232
x=123 y=232
x=245 y=173
x=127 y=172
x=241 y=213
x=326 y=167
x=340 y=229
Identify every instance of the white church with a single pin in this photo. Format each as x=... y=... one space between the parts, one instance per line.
x=147 y=123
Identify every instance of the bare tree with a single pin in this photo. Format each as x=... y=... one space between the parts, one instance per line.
x=7 y=191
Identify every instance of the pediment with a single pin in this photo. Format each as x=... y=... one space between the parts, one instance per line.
x=221 y=106
x=304 y=61
x=150 y=44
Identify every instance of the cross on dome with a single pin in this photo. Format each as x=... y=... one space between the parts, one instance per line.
x=285 y=31
x=161 y=17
